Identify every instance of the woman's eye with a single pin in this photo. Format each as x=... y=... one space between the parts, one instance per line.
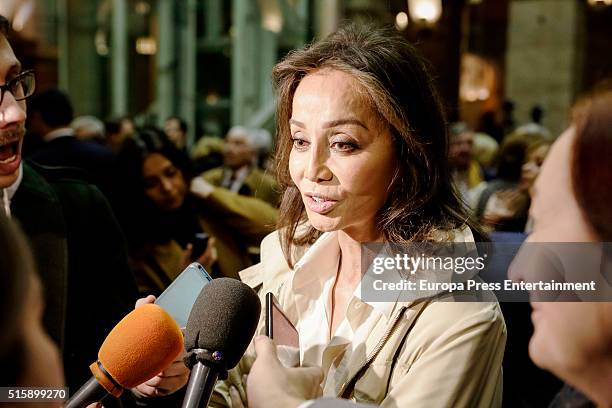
x=344 y=146
x=170 y=171
x=299 y=144
x=150 y=183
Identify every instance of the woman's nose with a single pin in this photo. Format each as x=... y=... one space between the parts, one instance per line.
x=166 y=186
x=317 y=169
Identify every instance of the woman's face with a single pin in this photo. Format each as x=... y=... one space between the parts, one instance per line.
x=342 y=160
x=164 y=183
x=555 y=212
x=567 y=336
x=531 y=168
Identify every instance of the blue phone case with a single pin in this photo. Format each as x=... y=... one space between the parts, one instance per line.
x=179 y=297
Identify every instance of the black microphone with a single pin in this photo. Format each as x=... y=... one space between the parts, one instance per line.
x=221 y=325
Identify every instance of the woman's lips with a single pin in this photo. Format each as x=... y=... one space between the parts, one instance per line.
x=319 y=204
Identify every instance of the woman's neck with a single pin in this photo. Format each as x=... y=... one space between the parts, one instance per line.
x=350 y=250
x=348 y=276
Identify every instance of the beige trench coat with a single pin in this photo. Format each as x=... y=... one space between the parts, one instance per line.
x=424 y=354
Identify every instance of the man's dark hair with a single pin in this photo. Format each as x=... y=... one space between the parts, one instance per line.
x=53 y=106
x=536 y=114
x=4 y=25
x=509 y=160
x=112 y=126
x=182 y=123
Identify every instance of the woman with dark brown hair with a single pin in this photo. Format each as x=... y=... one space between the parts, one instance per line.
x=572 y=199
x=362 y=157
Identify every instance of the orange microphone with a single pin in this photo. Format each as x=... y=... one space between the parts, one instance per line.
x=141 y=345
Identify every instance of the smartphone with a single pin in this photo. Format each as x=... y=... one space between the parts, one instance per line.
x=199 y=244
x=278 y=326
x=179 y=297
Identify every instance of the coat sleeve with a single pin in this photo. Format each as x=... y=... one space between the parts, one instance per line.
x=251 y=217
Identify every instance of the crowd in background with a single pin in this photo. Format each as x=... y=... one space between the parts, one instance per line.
x=494 y=175
x=493 y=166
x=168 y=201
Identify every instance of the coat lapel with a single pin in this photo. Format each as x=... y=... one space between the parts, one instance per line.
x=39 y=212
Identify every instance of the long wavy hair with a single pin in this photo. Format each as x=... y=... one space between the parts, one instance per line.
x=396 y=82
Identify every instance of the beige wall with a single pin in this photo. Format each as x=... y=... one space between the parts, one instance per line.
x=542 y=58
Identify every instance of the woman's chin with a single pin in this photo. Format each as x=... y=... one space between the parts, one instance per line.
x=545 y=352
x=323 y=223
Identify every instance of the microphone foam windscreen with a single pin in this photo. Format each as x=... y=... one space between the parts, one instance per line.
x=223 y=318
x=141 y=345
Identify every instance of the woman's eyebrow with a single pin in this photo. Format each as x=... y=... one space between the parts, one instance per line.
x=296 y=123
x=348 y=121
x=333 y=123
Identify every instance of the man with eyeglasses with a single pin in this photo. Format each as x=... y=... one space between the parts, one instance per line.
x=77 y=245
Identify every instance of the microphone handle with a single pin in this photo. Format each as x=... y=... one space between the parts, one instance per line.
x=200 y=387
x=89 y=393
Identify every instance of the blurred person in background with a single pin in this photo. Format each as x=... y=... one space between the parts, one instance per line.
x=176 y=130
x=536 y=153
x=118 y=131
x=207 y=153
x=240 y=172
x=88 y=128
x=508 y=122
x=49 y=119
x=465 y=171
x=485 y=149
x=489 y=125
x=506 y=208
x=168 y=207
x=207 y=150
x=571 y=203
x=503 y=205
x=28 y=356
x=535 y=126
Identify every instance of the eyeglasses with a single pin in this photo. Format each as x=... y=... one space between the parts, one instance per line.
x=22 y=86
